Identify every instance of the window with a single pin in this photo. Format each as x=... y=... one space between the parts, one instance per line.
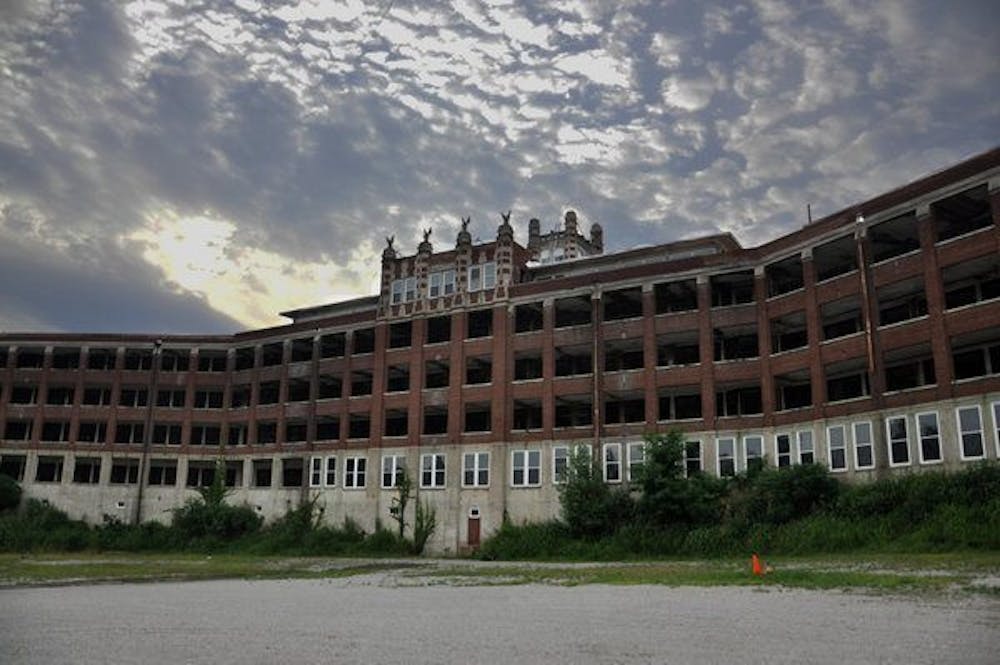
x=526 y=468
x=212 y=361
x=206 y=435
x=91 y=432
x=100 y=359
x=432 y=470
x=898 y=440
x=87 y=470
x=323 y=472
x=612 y=462
x=12 y=466
x=262 y=472
x=49 y=469
x=864 y=446
x=97 y=396
x=560 y=461
x=783 y=450
x=291 y=472
x=167 y=434
x=438 y=329
x=930 y=437
x=354 y=472
x=208 y=399
x=24 y=395
x=163 y=472
x=807 y=454
x=442 y=283
x=55 y=431
x=477 y=417
x=476 y=470
x=174 y=360
x=393 y=470
x=170 y=398
x=132 y=397
x=482 y=276
x=636 y=458
x=59 y=396
x=410 y=289
x=124 y=471
x=836 y=444
x=239 y=434
x=18 y=430
x=692 y=458
x=726 y=457
x=128 y=433
x=996 y=425
x=753 y=451
x=970 y=429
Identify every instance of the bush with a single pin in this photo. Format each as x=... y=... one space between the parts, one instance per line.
x=670 y=498
x=777 y=496
x=40 y=527
x=10 y=493
x=590 y=507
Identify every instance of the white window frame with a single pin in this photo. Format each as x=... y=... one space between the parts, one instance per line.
x=732 y=456
x=398 y=463
x=557 y=477
x=888 y=440
x=315 y=471
x=996 y=425
x=777 y=449
x=434 y=284
x=355 y=473
x=746 y=449
x=799 y=452
x=448 y=282
x=688 y=458
x=859 y=444
x=432 y=471
x=331 y=471
x=962 y=433
x=614 y=462
x=525 y=467
x=410 y=289
x=489 y=275
x=397 y=292
x=636 y=452
x=480 y=464
x=920 y=438
x=474 y=278
x=830 y=448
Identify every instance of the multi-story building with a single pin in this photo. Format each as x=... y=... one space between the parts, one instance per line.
x=867 y=341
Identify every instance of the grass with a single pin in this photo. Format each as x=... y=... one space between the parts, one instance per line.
x=910 y=573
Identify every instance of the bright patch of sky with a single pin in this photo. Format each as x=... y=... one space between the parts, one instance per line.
x=280 y=142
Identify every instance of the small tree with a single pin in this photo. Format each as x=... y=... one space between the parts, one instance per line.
x=668 y=495
x=590 y=507
x=404 y=492
x=424 y=523
x=209 y=516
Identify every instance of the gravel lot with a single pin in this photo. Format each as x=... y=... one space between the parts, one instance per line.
x=369 y=619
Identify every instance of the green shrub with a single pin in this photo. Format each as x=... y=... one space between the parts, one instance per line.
x=777 y=496
x=10 y=493
x=40 y=527
x=670 y=498
x=590 y=507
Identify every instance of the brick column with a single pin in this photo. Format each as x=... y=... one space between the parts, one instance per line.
x=376 y=418
x=456 y=377
x=500 y=403
x=414 y=402
x=596 y=319
x=764 y=344
x=814 y=334
x=934 y=290
x=548 y=368
x=649 y=355
x=705 y=351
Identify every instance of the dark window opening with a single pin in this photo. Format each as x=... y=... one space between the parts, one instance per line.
x=167 y=434
x=124 y=471
x=49 y=469
x=262 y=472
x=138 y=359
x=87 y=470
x=527 y=415
x=163 y=472
x=901 y=301
x=836 y=257
x=327 y=428
x=622 y=355
x=400 y=334
x=245 y=358
x=24 y=395
x=735 y=288
x=397 y=378
x=438 y=329
x=735 y=343
x=129 y=433
x=527 y=366
x=624 y=409
x=101 y=359
x=212 y=361
x=680 y=404
x=97 y=396
x=976 y=356
x=477 y=418
x=13 y=466
x=270 y=392
x=574 y=361
x=206 y=435
x=330 y=387
x=267 y=432
x=784 y=276
x=238 y=434
x=528 y=317
x=436 y=374
x=396 y=422
x=208 y=399
x=572 y=311
x=66 y=358
x=175 y=360
x=622 y=304
x=298 y=390
x=55 y=431
x=847 y=386
x=91 y=432
x=676 y=296
x=907 y=374
x=738 y=401
x=574 y=411
x=171 y=398
x=240 y=396
x=841 y=317
x=361 y=382
x=793 y=391
x=435 y=420
x=28 y=358
x=789 y=332
x=234 y=474
x=678 y=349
x=291 y=472
x=333 y=345
x=296 y=431
x=133 y=397
x=364 y=341
x=971 y=281
x=359 y=426
x=302 y=350
x=962 y=213
x=60 y=395
x=272 y=354
x=478 y=370
x=480 y=323
x=894 y=237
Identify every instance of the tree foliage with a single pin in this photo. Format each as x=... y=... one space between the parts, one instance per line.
x=590 y=507
x=10 y=493
x=668 y=497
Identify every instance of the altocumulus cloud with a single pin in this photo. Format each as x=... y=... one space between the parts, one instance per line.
x=174 y=167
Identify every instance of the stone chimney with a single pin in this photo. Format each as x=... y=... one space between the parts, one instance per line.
x=597 y=237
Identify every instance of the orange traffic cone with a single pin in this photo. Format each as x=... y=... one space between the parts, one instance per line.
x=755 y=566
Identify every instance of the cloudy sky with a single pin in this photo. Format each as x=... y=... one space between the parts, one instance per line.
x=199 y=166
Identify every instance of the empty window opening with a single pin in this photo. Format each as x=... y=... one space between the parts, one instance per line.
x=173 y=399
x=793 y=390
x=901 y=301
x=30 y=358
x=298 y=390
x=735 y=288
x=97 y=396
x=296 y=431
x=212 y=361
x=400 y=334
x=574 y=361
x=101 y=359
x=836 y=257
x=574 y=411
x=738 y=401
x=359 y=426
x=397 y=378
x=528 y=317
x=527 y=414
x=680 y=348
x=971 y=281
x=527 y=365
x=174 y=360
x=962 y=213
x=208 y=398
x=975 y=355
x=478 y=370
x=676 y=296
x=784 y=276
x=435 y=420
x=364 y=341
x=894 y=237
x=4 y=355
x=262 y=472
x=167 y=434
x=24 y=395
x=240 y=396
x=206 y=435
x=327 y=428
x=92 y=432
x=572 y=311
x=60 y=395
x=124 y=471
x=272 y=354
x=238 y=434
x=847 y=380
x=49 y=469
x=910 y=367
x=330 y=387
x=302 y=350
x=624 y=408
x=87 y=470
x=436 y=373
x=17 y=430
x=396 y=422
x=129 y=433
x=622 y=303
x=789 y=332
x=682 y=403
x=55 y=431
x=438 y=329
x=138 y=359
x=735 y=343
x=163 y=472
x=361 y=382
x=841 y=317
x=267 y=432
x=480 y=323
x=333 y=345
x=623 y=354
x=233 y=473
x=245 y=358
x=269 y=392
x=477 y=417
x=291 y=471
x=65 y=358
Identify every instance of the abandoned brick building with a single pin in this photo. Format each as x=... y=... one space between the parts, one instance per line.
x=867 y=341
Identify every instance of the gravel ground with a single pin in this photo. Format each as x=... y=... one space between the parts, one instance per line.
x=368 y=619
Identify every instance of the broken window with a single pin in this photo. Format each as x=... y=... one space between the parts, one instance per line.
x=396 y=422
x=133 y=397
x=4 y=355
x=302 y=350
x=206 y=435
x=267 y=432
x=291 y=472
x=163 y=472
x=364 y=341
x=200 y=474
x=680 y=348
x=477 y=417
x=962 y=213
x=624 y=408
x=97 y=396
x=234 y=473
x=894 y=237
x=17 y=430
x=901 y=301
x=269 y=393
x=240 y=396
x=910 y=367
x=171 y=398
x=60 y=395
x=436 y=374
x=397 y=378
x=129 y=432
x=30 y=358
x=272 y=354
x=327 y=428
x=438 y=329
x=174 y=360
x=478 y=370
x=847 y=380
x=238 y=434
x=124 y=471
x=208 y=399
x=622 y=303
x=574 y=361
x=623 y=354
x=676 y=296
x=245 y=358
x=528 y=317
x=735 y=288
x=735 y=343
x=789 y=332
x=65 y=358
x=101 y=359
x=49 y=469
x=87 y=470
x=55 y=431
x=527 y=414
x=24 y=395
x=333 y=345
x=527 y=365
x=836 y=257
x=572 y=311
x=361 y=382
x=793 y=390
x=92 y=432
x=841 y=317
x=480 y=323
x=435 y=420
x=167 y=434
x=359 y=426
x=295 y=431
x=400 y=334
x=298 y=390
x=738 y=401
x=784 y=276
x=262 y=472
x=680 y=403
x=330 y=387
x=211 y=361
x=971 y=281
